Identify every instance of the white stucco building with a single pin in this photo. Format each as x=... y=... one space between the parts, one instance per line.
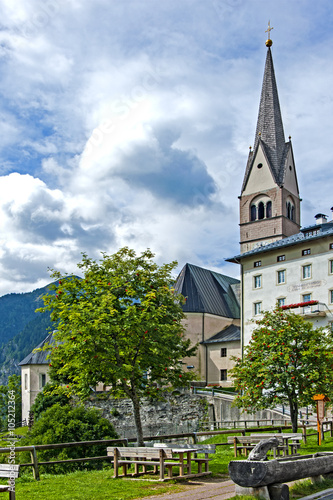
x=34 y=375
x=280 y=262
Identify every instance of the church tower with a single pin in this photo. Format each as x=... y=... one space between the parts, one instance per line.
x=269 y=201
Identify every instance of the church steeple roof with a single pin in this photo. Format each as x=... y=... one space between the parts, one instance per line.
x=269 y=124
x=269 y=131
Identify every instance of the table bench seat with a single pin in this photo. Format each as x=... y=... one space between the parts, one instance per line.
x=162 y=459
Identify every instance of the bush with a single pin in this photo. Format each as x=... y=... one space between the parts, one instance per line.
x=49 y=396
x=63 y=424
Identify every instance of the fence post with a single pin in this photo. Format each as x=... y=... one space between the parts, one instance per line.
x=304 y=434
x=34 y=463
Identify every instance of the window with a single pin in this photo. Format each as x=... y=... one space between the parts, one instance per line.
x=269 y=209
x=223 y=374
x=281 y=302
x=290 y=210
x=26 y=381
x=331 y=246
x=42 y=380
x=306 y=252
x=306 y=271
x=331 y=296
x=281 y=258
x=330 y=266
x=257 y=308
x=257 y=263
x=253 y=212
x=223 y=352
x=261 y=210
x=306 y=297
x=257 y=281
x=281 y=277
x=313 y=232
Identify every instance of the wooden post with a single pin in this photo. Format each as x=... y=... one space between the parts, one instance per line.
x=161 y=463
x=304 y=433
x=115 y=461
x=34 y=461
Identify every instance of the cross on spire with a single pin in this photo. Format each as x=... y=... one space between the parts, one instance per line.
x=269 y=29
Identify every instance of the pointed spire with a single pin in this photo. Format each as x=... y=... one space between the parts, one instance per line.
x=269 y=126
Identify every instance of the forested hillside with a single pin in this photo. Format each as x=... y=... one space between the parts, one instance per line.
x=21 y=329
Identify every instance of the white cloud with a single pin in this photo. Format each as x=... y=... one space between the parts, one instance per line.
x=128 y=123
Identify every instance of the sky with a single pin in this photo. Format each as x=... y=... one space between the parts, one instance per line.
x=128 y=123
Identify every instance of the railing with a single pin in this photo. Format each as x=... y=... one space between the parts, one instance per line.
x=213 y=391
x=319 y=309
x=194 y=436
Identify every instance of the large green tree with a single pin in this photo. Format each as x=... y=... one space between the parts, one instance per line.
x=287 y=362
x=120 y=325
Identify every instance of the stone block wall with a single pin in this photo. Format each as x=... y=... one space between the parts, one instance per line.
x=179 y=413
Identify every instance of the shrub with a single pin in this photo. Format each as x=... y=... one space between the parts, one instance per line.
x=63 y=424
x=49 y=396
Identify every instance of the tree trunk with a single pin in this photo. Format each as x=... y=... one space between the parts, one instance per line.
x=137 y=417
x=293 y=405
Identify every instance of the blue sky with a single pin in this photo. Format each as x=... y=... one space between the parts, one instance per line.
x=129 y=123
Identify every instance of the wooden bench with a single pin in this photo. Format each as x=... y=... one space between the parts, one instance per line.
x=10 y=471
x=157 y=457
x=247 y=443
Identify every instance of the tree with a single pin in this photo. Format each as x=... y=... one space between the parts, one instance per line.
x=287 y=361
x=11 y=401
x=63 y=424
x=120 y=325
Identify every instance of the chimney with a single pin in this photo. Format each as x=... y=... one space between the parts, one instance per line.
x=321 y=218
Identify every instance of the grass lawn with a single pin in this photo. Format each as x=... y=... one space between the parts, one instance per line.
x=87 y=485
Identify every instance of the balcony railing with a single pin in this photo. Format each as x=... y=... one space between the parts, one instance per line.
x=308 y=309
x=313 y=310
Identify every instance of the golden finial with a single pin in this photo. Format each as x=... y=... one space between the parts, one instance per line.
x=269 y=42
x=290 y=138
x=250 y=148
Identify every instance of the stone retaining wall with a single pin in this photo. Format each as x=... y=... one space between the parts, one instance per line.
x=179 y=413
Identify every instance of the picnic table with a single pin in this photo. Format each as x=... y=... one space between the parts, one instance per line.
x=244 y=444
x=288 y=439
x=159 y=458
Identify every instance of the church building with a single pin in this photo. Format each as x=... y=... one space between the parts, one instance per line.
x=281 y=263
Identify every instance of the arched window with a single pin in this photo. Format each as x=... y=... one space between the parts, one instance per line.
x=290 y=210
x=269 y=209
x=253 y=212
x=261 y=210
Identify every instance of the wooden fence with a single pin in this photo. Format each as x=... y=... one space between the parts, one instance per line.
x=193 y=436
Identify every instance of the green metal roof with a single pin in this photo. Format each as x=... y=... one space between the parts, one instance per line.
x=208 y=291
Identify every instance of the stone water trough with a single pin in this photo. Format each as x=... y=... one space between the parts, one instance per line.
x=266 y=478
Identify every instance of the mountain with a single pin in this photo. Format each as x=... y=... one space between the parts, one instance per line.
x=21 y=328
